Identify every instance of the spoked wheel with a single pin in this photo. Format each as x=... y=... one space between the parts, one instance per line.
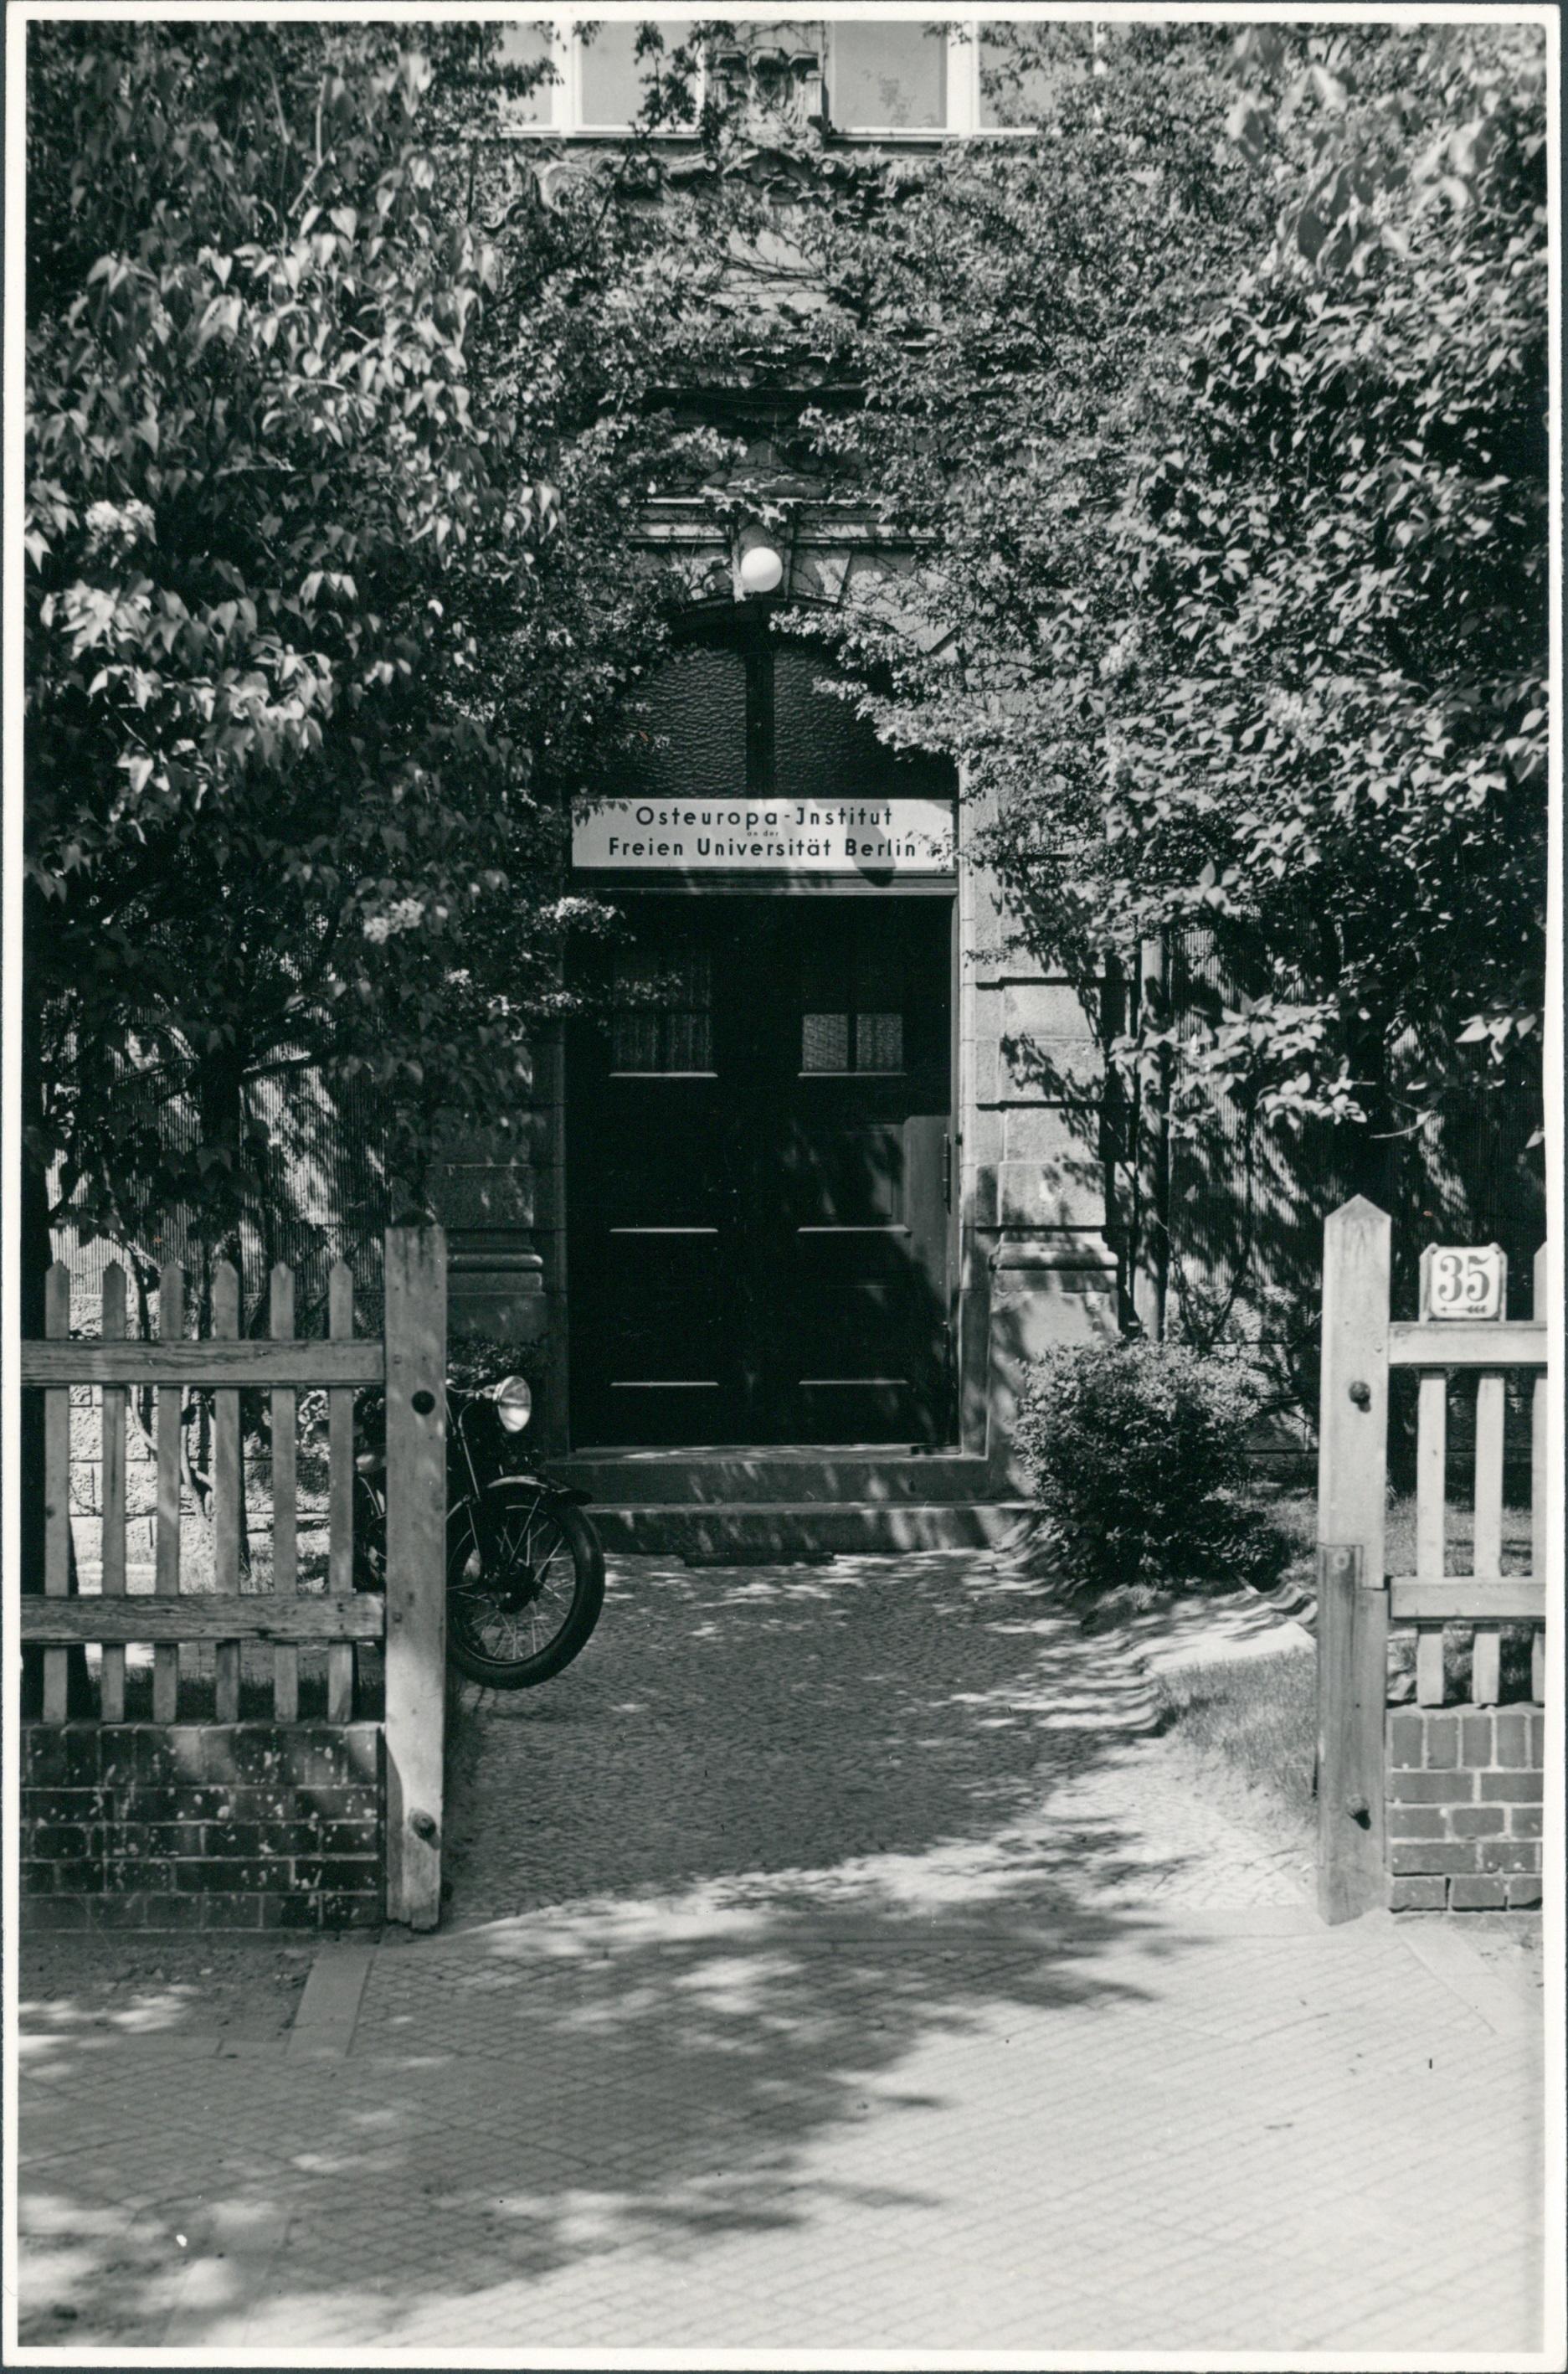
x=369 y=1535
x=523 y=1588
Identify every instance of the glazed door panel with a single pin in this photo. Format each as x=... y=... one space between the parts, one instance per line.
x=758 y=1165
x=651 y=1202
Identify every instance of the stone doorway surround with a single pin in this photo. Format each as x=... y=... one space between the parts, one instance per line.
x=1035 y=1258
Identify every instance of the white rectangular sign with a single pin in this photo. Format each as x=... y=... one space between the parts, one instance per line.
x=878 y=838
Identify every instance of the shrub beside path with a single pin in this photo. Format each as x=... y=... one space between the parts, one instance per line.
x=837 y=1961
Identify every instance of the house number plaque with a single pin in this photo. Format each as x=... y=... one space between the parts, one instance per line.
x=1463 y=1281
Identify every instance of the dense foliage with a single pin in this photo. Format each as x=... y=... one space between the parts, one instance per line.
x=334 y=433
x=1137 y=1454
x=1219 y=411
x=1330 y=718
x=1214 y=410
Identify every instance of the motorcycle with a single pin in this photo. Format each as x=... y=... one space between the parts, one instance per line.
x=525 y=1570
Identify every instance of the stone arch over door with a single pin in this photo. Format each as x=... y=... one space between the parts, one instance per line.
x=736 y=708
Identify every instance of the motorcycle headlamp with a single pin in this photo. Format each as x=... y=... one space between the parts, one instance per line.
x=514 y=1403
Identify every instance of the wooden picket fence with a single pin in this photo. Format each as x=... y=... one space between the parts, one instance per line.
x=408 y=1620
x=1358 y=1599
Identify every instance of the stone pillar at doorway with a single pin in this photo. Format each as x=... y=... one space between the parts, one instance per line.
x=484 y=1192
x=1038 y=1187
x=1042 y=1296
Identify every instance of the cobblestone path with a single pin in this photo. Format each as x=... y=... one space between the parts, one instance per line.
x=928 y=1730
x=834 y=1964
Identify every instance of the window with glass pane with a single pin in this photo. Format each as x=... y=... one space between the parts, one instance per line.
x=825 y=1018
x=821 y=747
x=1024 y=66
x=852 y=1003
x=889 y=77
x=523 y=47
x=879 y=1042
x=665 y=1022
x=879 y=1009
x=688 y=727
x=613 y=76
x=825 y=1042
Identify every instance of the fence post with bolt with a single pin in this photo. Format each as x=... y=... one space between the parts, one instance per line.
x=417 y=1578
x=1352 y=1605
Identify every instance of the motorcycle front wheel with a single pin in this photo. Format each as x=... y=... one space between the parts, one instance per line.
x=524 y=1586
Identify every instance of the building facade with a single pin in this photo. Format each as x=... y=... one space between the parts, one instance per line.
x=829 y=1170
x=785 y=1222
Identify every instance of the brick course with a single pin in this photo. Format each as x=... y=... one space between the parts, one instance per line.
x=201 y=1825
x=1463 y=1804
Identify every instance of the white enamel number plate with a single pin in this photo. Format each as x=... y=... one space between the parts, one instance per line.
x=1463 y=1281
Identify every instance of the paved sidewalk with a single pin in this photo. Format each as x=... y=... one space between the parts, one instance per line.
x=835 y=1964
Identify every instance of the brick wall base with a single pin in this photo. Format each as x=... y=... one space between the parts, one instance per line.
x=1464 y=1808
x=201 y=1825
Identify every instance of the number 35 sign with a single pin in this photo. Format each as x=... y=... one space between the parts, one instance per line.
x=1463 y=1281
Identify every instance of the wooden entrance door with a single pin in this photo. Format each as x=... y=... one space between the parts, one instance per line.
x=758 y=1177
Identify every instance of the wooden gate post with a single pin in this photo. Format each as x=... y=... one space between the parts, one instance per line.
x=1352 y=1604
x=57 y=1492
x=1540 y=1466
x=417 y=1576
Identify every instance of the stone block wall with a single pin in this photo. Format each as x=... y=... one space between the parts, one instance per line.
x=1464 y=1808
x=1038 y=1268
x=201 y=1825
x=489 y=1193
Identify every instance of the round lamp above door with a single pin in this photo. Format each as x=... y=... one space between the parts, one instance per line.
x=759 y=567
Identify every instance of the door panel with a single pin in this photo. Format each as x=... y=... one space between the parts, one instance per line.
x=756 y=1147
x=839 y=1173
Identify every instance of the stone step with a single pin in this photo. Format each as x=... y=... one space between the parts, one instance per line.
x=760 y=1533
x=791 y=1474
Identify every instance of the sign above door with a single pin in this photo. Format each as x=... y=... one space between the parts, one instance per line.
x=881 y=839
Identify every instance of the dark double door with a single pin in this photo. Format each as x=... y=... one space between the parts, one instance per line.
x=758 y=1176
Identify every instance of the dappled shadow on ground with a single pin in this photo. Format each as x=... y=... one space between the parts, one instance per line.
x=697 y=2069
x=741 y=1905
x=77 y=1990
x=728 y=1722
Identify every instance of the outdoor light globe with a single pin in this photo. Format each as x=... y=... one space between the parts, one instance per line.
x=762 y=568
